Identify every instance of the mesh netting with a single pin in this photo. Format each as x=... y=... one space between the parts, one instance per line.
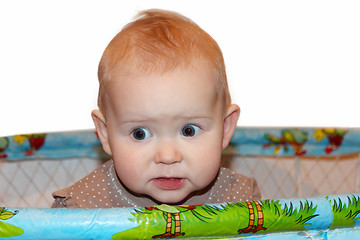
x=293 y=177
x=29 y=183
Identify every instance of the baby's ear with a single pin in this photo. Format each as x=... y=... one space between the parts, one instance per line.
x=101 y=129
x=230 y=122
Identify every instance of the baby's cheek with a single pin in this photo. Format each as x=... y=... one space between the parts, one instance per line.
x=209 y=154
x=207 y=171
x=130 y=180
x=124 y=170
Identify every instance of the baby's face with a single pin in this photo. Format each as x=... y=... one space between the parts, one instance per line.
x=165 y=132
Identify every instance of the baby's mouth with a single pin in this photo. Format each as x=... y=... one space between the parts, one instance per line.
x=169 y=183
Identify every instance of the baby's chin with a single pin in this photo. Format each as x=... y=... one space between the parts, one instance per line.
x=171 y=198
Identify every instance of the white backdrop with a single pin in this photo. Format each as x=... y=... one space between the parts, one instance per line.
x=289 y=63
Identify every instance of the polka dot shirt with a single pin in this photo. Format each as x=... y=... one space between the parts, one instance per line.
x=103 y=189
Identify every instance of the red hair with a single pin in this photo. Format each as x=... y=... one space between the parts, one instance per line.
x=160 y=41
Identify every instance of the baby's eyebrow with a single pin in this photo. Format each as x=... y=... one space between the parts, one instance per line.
x=143 y=119
x=134 y=117
x=133 y=121
x=197 y=118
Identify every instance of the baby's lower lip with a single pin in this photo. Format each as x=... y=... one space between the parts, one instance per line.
x=169 y=183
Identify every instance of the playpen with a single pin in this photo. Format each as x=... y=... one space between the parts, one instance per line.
x=309 y=175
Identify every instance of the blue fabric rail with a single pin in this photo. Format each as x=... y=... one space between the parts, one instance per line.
x=51 y=146
x=246 y=141
x=323 y=217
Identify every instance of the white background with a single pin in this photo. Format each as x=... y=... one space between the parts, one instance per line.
x=289 y=63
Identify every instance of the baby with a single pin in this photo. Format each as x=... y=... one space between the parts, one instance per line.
x=165 y=115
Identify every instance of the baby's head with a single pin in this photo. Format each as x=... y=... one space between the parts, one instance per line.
x=165 y=112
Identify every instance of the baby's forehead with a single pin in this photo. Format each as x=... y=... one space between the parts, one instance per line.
x=202 y=78
x=163 y=97
x=135 y=73
x=200 y=75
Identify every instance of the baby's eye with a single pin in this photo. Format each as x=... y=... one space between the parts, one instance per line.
x=140 y=133
x=190 y=130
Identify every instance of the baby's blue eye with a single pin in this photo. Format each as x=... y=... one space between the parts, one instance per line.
x=140 y=133
x=190 y=130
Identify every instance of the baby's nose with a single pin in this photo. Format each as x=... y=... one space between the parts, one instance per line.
x=168 y=154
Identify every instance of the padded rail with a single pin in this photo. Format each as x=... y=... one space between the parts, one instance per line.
x=245 y=141
x=323 y=217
